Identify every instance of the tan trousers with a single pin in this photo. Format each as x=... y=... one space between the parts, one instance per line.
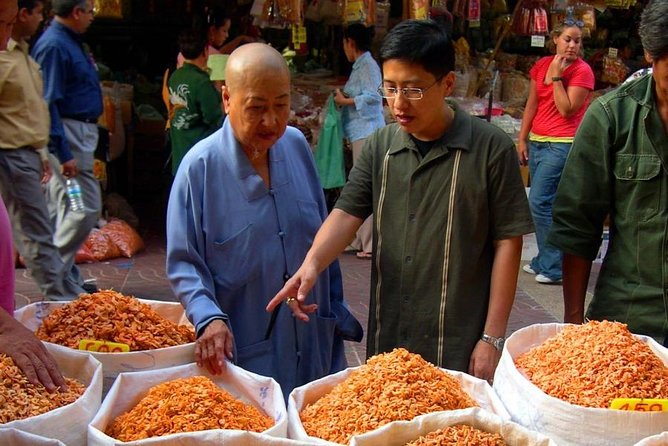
x=364 y=238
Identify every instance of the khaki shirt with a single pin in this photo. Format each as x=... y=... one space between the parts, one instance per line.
x=24 y=114
x=435 y=221
x=618 y=166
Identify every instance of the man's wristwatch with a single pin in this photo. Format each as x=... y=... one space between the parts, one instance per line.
x=557 y=79
x=497 y=343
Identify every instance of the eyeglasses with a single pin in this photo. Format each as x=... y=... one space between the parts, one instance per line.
x=572 y=22
x=410 y=93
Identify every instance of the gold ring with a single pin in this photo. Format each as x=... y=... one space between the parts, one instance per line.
x=290 y=300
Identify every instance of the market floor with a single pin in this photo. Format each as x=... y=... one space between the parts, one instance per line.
x=144 y=276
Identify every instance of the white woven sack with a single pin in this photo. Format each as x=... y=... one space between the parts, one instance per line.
x=398 y=433
x=655 y=440
x=309 y=393
x=68 y=423
x=114 y=363
x=534 y=409
x=16 y=437
x=129 y=388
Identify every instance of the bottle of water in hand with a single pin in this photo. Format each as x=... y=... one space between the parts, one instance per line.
x=74 y=194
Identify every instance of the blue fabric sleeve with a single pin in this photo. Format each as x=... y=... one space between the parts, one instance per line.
x=367 y=103
x=187 y=271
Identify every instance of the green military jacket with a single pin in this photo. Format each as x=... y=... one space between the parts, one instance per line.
x=435 y=221
x=618 y=165
x=197 y=110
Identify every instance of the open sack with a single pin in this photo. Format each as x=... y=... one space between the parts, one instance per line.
x=114 y=363
x=302 y=396
x=129 y=388
x=566 y=423
x=69 y=423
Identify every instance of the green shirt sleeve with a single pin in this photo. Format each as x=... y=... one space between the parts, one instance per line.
x=583 y=196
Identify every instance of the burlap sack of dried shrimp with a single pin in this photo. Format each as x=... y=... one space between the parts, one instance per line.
x=15 y=437
x=114 y=363
x=68 y=423
x=302 y=397
x=261 y=392
x=398 y=433
x=655 y=440
x=565 y=423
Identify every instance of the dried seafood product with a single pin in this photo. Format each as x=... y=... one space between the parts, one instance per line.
x=186 y=405
x=591 y=364
x=460 y=435
x=111 y=316
x=20 y=399
x=391 y=386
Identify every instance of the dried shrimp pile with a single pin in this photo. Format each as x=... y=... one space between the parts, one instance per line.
x=392 y=386
x=591 y=364
x=460 y=435
x=111 y=316
x=186 y=405
x=21 y=399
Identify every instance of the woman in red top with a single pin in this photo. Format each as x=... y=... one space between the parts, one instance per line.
x=558 y=97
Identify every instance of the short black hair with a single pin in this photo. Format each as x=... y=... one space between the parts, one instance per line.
x=653 y=28
x=29 y=4
x=192 y=43
x=64 y=8
x=421 y=42
x=359 y=34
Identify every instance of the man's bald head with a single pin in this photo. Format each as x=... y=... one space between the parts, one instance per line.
x=253 y=60
x=8 y=11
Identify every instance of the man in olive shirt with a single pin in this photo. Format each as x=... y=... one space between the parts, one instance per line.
x=24 y=166
x=618 y=166
x=449 y=212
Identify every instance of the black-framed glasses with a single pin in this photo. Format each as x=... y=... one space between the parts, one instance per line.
x=410 y=93
x=570 y=21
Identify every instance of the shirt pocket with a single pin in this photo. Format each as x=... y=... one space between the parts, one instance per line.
x=310 y=220
x=638 y=183
x=234 y=261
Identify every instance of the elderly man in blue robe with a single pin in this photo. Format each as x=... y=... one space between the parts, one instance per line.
x=244 y=208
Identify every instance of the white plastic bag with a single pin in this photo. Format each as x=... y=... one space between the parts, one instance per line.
x=307 y=394
x=534 y=409
x=398 y=433
x=68 y=423
x=654 y=440
x=129 y=388
x=114 y=363
x=16 y=437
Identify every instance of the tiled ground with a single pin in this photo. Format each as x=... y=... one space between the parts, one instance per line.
x=144 y=276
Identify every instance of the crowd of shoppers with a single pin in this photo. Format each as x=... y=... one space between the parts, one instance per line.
x=441 y=190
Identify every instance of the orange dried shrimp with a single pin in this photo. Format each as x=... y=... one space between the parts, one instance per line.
x=460 y=435
x=591 y=364
x=186 y=405
x=392 y=386
x=111 y=316
x=20 y=399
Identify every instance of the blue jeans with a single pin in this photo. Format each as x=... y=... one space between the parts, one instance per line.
x=546 y=162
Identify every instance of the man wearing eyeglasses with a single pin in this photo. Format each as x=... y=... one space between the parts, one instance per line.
x=72 y=91
x=449 y=214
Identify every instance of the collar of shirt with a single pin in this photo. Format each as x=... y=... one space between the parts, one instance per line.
x=66 y=30
x=360 y=60
x=458 y=136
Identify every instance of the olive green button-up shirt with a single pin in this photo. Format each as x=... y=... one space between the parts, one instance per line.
x=618 y=165
x=435 y=221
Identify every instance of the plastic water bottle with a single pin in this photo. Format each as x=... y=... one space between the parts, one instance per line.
x=74 y=194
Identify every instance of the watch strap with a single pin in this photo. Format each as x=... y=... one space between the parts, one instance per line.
x=497 y=343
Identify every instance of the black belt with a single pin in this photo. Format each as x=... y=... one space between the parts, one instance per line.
x=81 y=119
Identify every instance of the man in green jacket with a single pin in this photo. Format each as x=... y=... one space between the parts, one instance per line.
x=197 y=105
x=618 y=166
